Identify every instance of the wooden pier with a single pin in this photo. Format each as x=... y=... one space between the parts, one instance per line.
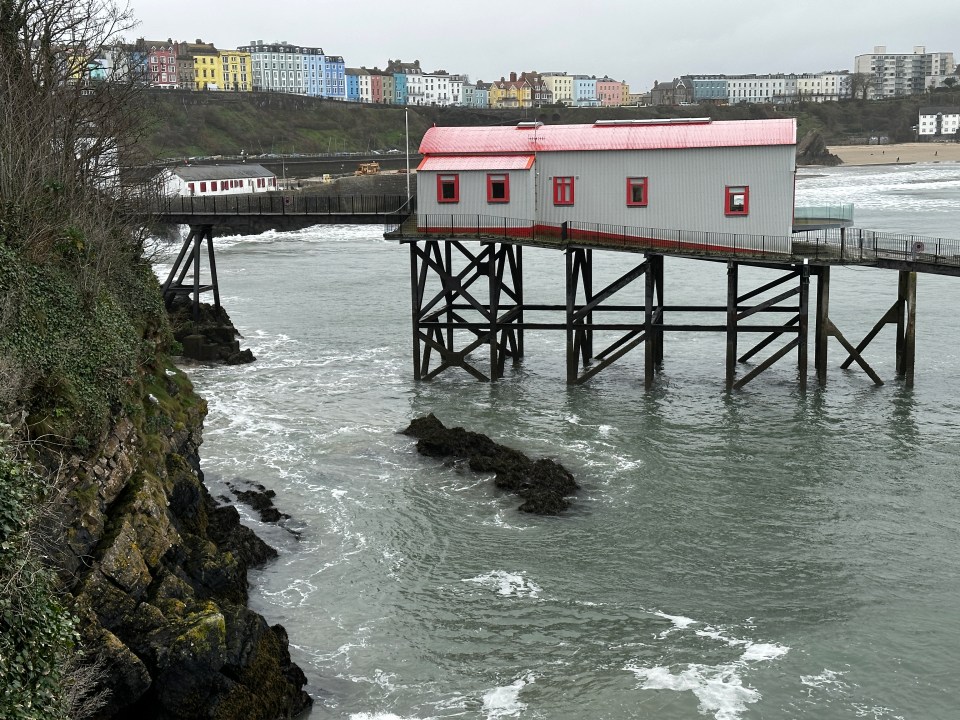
x=467 y=289
x=467 y=297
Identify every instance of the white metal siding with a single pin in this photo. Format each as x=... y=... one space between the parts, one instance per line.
x=473 y=195
x=686 y=188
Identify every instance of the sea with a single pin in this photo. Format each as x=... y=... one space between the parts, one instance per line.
x=764 y=553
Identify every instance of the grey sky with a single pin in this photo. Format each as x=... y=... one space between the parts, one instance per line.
x=637 y=41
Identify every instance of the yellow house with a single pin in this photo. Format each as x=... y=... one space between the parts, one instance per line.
x=236 y=68
x=207 y=73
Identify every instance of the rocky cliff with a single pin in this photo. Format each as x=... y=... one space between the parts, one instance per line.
x=158 y=571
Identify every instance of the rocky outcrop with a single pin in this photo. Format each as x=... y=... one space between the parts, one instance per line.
x=812 y=150
x=211 y=337
x=545 y=485
x=159 y=573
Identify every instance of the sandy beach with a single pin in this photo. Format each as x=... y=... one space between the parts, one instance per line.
x=902 y=153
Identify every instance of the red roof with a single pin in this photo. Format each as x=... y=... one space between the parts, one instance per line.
x=477 y=162
x=558 y=138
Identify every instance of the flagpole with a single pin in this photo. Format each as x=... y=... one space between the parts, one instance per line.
x=406 y=123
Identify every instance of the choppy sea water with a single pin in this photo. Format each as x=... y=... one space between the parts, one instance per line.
x=763 y=554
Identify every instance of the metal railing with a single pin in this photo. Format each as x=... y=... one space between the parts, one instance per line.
x=286 y=204
x=598 y=234
x=856 y=245
x=833 y=245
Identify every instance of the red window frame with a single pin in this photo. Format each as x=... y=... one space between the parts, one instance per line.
x=191 y=187
x=213 y=186
x=494 y=179
x=563 y=190
x=730 y=207
x=451 y=181
x=637 y=183
x=203 y=187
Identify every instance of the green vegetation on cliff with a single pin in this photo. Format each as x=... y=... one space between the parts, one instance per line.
x=187 y=124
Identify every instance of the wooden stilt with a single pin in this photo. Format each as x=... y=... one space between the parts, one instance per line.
x=732 y=274
x=907 y=327
x=822 y=327
x=802 y=349
x=174 y=284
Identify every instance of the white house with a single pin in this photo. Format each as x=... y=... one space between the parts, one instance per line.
x=216 y=180
x=616 y=177
x=936 y=121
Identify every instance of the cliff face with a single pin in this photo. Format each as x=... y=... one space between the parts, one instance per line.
x=159 y=574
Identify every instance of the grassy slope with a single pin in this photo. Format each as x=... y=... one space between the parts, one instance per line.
x=188 y=124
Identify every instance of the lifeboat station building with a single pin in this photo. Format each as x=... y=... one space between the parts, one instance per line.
x=613 y=180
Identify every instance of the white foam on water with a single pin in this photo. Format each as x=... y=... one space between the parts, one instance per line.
x=719 y=688
x=824 y=680
x=383 y=716
x=505 y=701
x=758 y=652
x=679 y=622
x=507 y=584
x=605 y=430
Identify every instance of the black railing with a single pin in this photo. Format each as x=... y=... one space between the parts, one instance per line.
x=856 y=245
x=287 y=204
x=598 y=234
x=836 y=245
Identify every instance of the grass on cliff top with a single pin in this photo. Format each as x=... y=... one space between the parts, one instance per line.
x=186 y=124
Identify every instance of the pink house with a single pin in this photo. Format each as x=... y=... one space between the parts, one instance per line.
x=609 y=92
x=162 y=64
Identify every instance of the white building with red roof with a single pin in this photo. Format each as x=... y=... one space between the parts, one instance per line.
x=690 y=174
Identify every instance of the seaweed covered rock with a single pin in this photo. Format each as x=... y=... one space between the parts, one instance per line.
x=545 y=485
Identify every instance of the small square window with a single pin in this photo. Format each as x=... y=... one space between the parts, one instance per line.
x=448 y=188
x=637 y=192
x=498 y=188
x=563 y=191
x=737 y=200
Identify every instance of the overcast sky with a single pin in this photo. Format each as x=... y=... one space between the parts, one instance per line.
x=636 y=41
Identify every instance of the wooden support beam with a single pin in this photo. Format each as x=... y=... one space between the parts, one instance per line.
x=907 y=326
x=767 y=363
x=731 y=365
x=890 y=316
x=822 y=325
x=854 y=353
x=802 y=349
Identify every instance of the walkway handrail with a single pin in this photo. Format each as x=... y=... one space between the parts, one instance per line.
x=293 y=203
x=836 y=245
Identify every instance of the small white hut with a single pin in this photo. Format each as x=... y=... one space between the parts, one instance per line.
x=215 y=180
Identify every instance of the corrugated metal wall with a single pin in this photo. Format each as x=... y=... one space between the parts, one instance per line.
x=473 y=195
x=686 y=188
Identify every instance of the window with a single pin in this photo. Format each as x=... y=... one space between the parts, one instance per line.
x=191 y=188
x=498 y=188
x=563 y=191
x=738 y=200
x=213 y=185
x=637 y=192
x=448 y=188
x=203 y=187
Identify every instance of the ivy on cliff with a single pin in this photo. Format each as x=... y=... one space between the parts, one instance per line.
x=37 y=632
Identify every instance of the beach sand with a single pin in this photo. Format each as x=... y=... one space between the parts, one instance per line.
x=902 y=152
